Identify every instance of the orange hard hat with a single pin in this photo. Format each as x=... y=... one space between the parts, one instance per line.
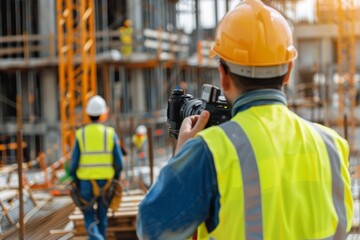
x=253 y=34
x=127 y=23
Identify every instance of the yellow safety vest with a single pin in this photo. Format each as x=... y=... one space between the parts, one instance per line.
x=126 y=39
x=139 y=141
x=126 y=35
x=279 y=178
x=96 y=143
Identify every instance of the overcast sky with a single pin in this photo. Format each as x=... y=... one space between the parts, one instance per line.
x=305 y=10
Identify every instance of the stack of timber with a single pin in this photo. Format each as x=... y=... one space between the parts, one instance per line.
x=122 y=222
x=9 y=209
x=49 y=213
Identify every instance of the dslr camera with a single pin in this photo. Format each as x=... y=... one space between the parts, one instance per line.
x=182 y=105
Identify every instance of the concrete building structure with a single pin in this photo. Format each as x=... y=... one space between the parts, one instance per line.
x=136 y=88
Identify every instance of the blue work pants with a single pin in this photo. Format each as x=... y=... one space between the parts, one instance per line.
x=96 y=220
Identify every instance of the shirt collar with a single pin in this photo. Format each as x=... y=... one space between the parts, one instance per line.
x=258 y=97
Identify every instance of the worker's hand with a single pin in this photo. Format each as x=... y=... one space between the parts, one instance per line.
x=190 y=127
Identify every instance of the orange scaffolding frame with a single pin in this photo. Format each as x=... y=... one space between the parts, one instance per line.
x=77 y=66
x=346 y=66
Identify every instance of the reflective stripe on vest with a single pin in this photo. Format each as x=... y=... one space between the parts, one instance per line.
x=250 y=178
x=94 y=152
x=337 y=183
x=96 y=160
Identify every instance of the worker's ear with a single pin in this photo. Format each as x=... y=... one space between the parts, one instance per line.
x=224 y=78
x=287 y=76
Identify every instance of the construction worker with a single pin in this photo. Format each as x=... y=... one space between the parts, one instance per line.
x=96 y=161
x=265 y=174
x=139 y=140
x=126 y=38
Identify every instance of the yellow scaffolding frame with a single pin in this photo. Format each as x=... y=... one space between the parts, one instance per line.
x=77 y=64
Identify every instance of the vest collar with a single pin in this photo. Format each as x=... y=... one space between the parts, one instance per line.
x=258 y=97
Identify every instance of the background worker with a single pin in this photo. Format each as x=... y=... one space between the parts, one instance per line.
x=139 y=140
x=96 y=159
x=265 y=174
x=126 y=38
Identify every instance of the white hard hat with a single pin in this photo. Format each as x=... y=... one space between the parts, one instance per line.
x=96 y=106
x=141 y=129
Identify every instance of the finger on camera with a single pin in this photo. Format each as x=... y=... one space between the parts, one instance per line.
x=188 y=124
x=202 y=120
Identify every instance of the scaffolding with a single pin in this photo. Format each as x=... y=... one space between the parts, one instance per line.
x=77 y=66
x=346 y=66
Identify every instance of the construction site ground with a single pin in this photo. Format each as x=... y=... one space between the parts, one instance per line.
x=56 y=217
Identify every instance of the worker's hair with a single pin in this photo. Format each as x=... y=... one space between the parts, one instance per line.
x=94 y=118
x=247 y=84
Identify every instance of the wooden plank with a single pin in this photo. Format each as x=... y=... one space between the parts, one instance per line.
x=146 y=64
x=132 y=198
x=120 y=209
x=116 y=214
x=182 y=38
x=129 y=204
x=133 y=192
x=60 y=232
x=122 y=222
x=155 y=44
x=6 y=195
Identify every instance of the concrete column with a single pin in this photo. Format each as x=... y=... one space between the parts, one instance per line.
x=137 y=91
x=47 y=16
x=327 y=64
x=49 y=94
x=49 y=88
x=49 y=110
x=47 y=25
x=134 y=12
x=326 y=53
x=1 y=102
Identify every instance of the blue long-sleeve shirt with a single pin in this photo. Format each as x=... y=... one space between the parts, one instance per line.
x=75 y=158
x=186 y=191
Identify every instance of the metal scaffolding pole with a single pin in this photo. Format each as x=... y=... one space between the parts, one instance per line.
x=112 y=92
x=216 y=12
x=19 y=153
x=197 y=20
x=105 y=24
x=8 y=18
x=17 y=23
x=18 y=100
x=1 y=102
x=31 y=101
x=346 y=65
x=29 y=29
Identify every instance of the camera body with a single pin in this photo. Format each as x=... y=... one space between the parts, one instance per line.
x=182 y=105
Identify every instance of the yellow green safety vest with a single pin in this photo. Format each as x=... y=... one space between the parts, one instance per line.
x=139 y=141
x=279 y=178
x=126 y=40
x=96 y=143
x=126 y=35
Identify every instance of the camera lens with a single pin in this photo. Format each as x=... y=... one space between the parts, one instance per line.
x=191 y=107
